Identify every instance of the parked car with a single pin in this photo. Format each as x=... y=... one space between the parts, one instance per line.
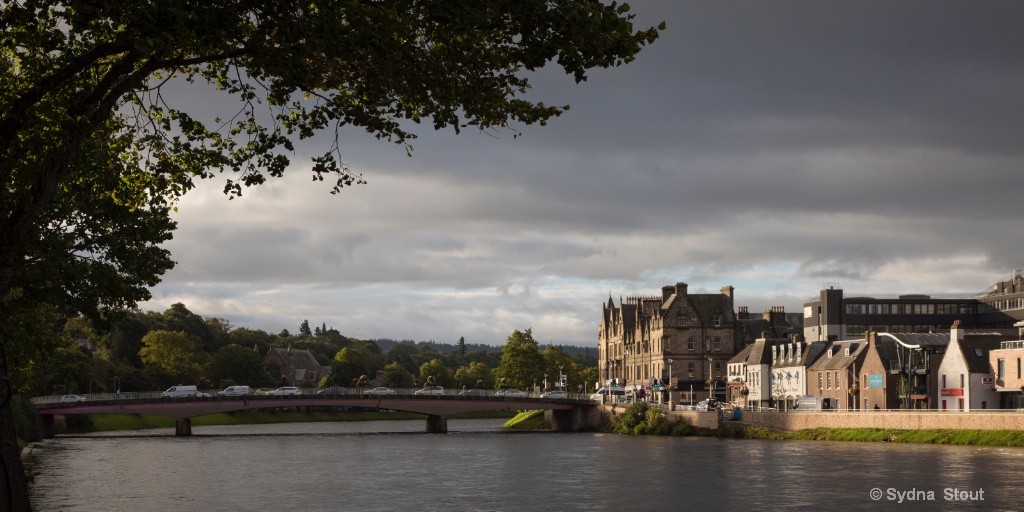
x=511 y=393
x=430 y=391
x=72 y=398
x=203 y=394
x=473 y=392
x=380 y=391
x=710 y=404
x=235 y=391
x=286 y=391
x=333 y=390
x=263 y=391
x=554 y=393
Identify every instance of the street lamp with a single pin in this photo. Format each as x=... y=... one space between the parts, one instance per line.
x=561 y=383
x=669 y=387
x=711 y=377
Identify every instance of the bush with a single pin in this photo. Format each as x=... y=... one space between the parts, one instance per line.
x=639 y=419
x=28 y=425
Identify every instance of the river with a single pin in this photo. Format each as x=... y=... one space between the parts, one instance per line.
x=392 y=465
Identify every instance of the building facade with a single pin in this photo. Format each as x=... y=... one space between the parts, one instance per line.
x=965 y=374
x=682 y=339
x=1007 y=362
x=835 y=317
x=833 y=374
x=294 y=367
x=790 y=361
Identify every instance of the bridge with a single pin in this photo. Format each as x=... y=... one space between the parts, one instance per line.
x=574 y=413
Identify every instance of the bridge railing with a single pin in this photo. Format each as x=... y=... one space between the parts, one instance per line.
x=305 y=393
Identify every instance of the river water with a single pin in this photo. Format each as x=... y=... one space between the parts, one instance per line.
x=392 y=465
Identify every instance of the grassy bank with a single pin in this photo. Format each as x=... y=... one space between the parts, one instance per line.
x=110 y=422
x=529 y=420
x=1011 y=438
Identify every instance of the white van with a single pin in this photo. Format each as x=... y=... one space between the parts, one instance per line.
x=813 y=403
x=234 y=391
x=179 y=391
x=615 y=394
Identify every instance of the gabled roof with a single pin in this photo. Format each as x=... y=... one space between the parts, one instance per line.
x=975 y=348
x=741 y=357
x=706 y=304
x=808 y=355
x=839 y=359
x=297 y=358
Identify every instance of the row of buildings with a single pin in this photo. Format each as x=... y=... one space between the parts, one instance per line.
x=859 y=352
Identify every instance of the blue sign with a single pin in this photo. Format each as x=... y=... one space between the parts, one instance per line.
x=876 y=381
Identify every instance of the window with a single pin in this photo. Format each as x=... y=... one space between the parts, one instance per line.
x=943 y=381
x=1018 y=367
x=717 y=319
x=689 y=344
x=1001 y=372
x=961 y=383
x=718 y=343
x=819 y=380
x=828 y=380
x=689 y=368
x=718 y=368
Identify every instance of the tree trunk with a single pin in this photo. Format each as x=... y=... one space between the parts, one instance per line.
x=13 y=484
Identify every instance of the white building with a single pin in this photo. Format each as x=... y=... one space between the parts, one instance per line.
x=966 y=377
x=789 y=370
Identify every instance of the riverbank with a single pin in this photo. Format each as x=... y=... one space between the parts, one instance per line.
x=1008 y=438
x=639 y=419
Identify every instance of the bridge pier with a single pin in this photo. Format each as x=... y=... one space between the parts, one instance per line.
x=183 y=426
x=49 y=426
x=579 y=418
x=437 y=425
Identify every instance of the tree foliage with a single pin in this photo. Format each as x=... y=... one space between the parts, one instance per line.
x=235 y=364
x=440 y=373
x=476 y=375
x=522 y=364
x=348 y=365
x=173 y=352
x=96 y=146
x=396 y=376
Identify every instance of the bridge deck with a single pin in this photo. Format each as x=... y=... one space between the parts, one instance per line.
x=181 y=408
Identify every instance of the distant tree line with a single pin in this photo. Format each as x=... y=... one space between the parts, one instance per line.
x=145 y=351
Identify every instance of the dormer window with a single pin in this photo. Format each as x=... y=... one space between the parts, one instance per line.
x=717 y=319
x=829 y=352
x=847 y=351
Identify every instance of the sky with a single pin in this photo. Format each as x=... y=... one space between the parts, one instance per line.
x=776 y=147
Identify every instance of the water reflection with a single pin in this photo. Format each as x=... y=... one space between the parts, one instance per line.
x=347 y=466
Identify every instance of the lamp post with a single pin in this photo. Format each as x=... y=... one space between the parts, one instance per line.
x=561 y=383
x=669 y=387
x=545 y=382
x=711 y=377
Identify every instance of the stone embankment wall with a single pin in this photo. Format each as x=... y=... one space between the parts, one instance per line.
x=900 y=420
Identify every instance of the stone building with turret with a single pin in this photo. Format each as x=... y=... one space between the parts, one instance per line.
x=679 y=338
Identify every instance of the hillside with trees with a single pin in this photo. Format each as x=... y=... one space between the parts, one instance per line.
x=147 y=351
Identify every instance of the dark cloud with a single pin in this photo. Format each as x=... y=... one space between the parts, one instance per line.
x=774 y=146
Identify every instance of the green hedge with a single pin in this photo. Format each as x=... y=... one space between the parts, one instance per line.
x=27 y=424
